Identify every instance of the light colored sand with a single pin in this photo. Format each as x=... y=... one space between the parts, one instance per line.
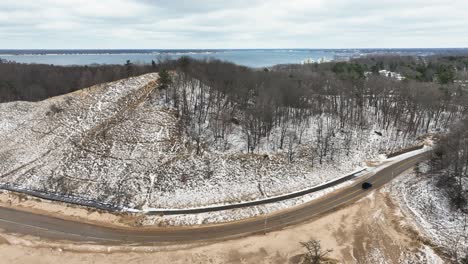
x=369 y=231
x=66 y=211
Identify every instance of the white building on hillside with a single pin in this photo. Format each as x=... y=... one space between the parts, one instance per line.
x=390 y=74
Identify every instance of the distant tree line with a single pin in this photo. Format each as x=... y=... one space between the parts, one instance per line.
x=34 y=82
x=441 y=69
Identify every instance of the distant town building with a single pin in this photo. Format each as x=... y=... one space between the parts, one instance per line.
x=308 y=61
x=312 y=61
x=390 y=74
x=339 y=58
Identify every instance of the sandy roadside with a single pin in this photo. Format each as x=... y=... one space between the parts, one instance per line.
x=28 y=203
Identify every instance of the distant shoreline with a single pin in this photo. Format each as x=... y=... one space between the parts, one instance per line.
x=4 y=52
x=254 y=58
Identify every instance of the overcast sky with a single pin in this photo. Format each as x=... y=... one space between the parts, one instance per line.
x=180 y=24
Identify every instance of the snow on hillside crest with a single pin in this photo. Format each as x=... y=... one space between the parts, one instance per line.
x=118 y=143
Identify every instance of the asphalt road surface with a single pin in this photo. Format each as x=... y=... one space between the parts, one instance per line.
x=58 y=229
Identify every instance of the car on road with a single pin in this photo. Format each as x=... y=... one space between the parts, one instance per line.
x=366 y=185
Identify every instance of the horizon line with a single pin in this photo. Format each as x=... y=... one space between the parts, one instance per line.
x=352 y=48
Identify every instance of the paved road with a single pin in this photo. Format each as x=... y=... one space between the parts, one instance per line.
x=54 y=228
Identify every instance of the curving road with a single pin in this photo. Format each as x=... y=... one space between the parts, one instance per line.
x=58 y=229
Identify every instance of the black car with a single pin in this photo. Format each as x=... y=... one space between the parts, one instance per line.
x=366 y=185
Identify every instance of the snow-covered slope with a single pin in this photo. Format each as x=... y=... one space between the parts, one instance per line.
x=431 y=210
x=118 y=143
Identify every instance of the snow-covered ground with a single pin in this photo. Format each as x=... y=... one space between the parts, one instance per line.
x=234 y=214
x=114 y=143
x=252 y=211
x=431 y=211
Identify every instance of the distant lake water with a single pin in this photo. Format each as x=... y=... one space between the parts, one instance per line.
x=252 y=57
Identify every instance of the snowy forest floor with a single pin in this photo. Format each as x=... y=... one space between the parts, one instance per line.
x=430 y=209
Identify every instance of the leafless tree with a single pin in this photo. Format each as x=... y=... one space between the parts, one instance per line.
x=314 y=252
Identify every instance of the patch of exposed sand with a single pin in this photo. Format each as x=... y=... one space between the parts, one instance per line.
x=67 y=211
x=372 y=230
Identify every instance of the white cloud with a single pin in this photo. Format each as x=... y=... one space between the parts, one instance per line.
x=232 y=24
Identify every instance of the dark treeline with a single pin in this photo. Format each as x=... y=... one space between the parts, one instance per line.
x=449 y=170
x=220 y=94
x=450 y=164
x=35 y=82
